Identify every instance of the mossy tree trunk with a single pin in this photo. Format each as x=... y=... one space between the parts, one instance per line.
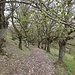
x=15 y=28
x=3 y=27
x=62 y=48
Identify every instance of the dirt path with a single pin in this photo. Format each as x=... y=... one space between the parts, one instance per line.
x=36 y=64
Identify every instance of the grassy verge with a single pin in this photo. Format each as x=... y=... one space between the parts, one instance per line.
x=70 y=64
x=69 y=68
x=14 y=57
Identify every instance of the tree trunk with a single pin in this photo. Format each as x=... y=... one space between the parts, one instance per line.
x=38 y=44
x=27 y=43
x=42 y=45
x=48 y=45
x=45 y=46
x=3 y=28
x=3 y=33
x=62 y=48
x=38 y=36
x=16 y=30
x=20 y=42
x=2 y=40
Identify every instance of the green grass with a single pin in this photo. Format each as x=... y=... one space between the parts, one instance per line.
x=14 y=56
x=53 y=54
x=13 y=47
x=69 y=59
x=69 y=62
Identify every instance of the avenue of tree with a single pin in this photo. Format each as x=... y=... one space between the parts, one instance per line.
x=38 y=22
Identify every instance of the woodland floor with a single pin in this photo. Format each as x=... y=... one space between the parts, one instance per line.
x=37 y=63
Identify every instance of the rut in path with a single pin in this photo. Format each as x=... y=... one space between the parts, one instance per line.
x=37 y=63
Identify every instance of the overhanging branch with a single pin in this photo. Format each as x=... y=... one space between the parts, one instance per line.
x=14 y=2
x=35 y=6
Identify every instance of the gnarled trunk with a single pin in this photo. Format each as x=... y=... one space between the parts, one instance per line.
x=62 y=48
x=3 y=28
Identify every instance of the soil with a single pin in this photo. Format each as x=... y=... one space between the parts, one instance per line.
x=37 y=63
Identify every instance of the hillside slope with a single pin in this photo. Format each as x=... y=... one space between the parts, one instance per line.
x=9 y=63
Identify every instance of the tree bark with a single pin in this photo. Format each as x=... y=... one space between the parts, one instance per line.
x=16 y=30
x=48 y=45
x=62 y=48
x=45 y=46
x=38 y=44
x=3 y=28
x=27 y=43
x=42 y=45
x=2 y=40
x=20 y=41
x=38 y=36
